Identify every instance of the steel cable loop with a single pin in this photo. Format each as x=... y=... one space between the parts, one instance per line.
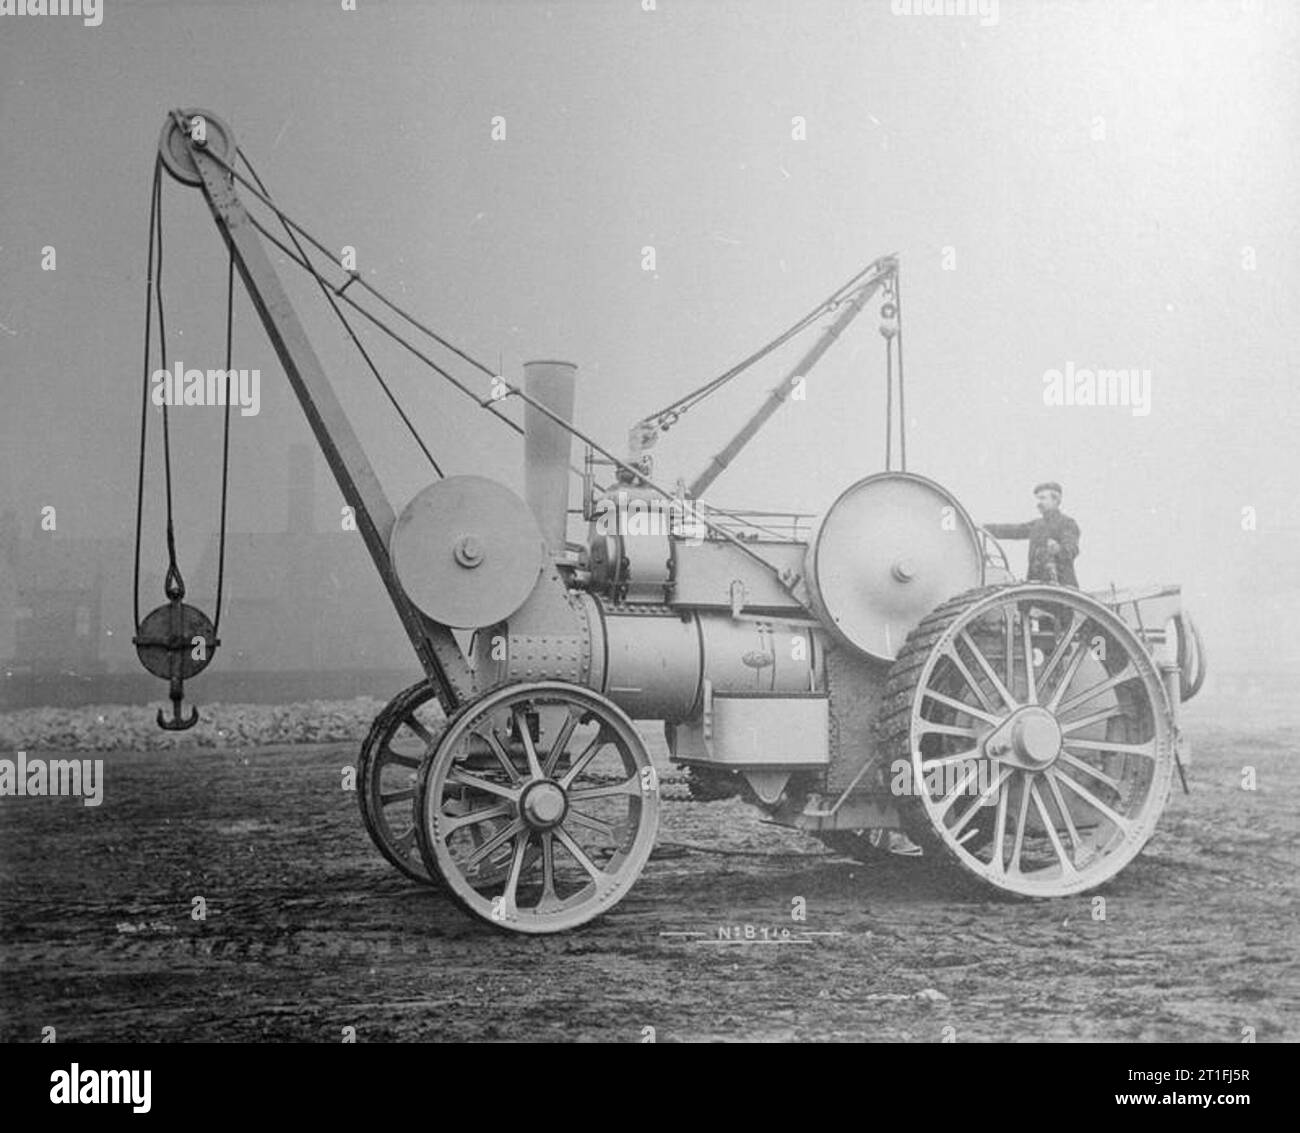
x=173 y=571
x=144 y=390
x=225 y=437
x=327 y=291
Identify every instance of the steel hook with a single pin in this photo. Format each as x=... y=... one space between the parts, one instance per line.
x=177 y=723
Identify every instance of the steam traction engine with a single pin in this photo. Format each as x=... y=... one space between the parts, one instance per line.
x=875 y=677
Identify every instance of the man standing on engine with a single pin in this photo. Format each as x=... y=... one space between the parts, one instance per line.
x=1053 y=538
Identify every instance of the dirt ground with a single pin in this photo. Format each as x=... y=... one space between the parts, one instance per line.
x=309 y=932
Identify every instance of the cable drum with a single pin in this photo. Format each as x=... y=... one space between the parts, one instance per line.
x=467 y=551
x=888 y=551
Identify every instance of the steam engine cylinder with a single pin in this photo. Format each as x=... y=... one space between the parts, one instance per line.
x=653 y=662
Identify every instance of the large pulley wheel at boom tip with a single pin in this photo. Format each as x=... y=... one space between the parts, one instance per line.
x=889 y=550
x=174 y=144
x=539 y=806
x=1036 y=735
x=467 y=551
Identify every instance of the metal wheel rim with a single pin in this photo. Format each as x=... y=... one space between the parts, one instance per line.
x=1118 y=780
x=386 y=795
x=456 y=794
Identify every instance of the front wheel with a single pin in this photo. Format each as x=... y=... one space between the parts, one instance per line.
x=539 y=807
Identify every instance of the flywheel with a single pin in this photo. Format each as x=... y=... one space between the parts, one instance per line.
x=886 y=553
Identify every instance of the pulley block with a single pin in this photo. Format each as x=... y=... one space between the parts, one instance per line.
x=176 y=641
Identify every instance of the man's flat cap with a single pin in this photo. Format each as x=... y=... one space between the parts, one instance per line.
x=1048 y=485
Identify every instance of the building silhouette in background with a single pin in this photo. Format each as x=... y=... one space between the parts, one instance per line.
x=304 y=613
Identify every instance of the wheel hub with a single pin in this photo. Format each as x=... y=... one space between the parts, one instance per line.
x=544 y=804
x=1029 y=738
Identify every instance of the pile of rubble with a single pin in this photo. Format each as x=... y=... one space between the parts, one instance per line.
x=134 y=728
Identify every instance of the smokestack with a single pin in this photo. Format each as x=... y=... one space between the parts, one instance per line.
x=300 y=519
x=547 y=449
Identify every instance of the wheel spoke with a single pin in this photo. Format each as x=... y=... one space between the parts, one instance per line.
x=599 y=825
x=1027 y=644
x=1095 y=718
x=1117 y=820
x=580 y=764
x=1071 y=667
x=426 y=736
x=960 y=706
x=494 y=742
x=1100 y=776
x=978 y=689
x=987 y=669
x=1076 y=624
x=945 y=729
x=451 y=823
x=1126 y=674
x=1000 y=825
x=1019 y=844
x=510 y=895
x=1067 y=866
x=402 y=796
x=549 y=899
x=946 y=802
x=387 y=755
x=520 y=718
x=562 y=738
x=495 y=842
x=1148 y=749
x=579 y=855
x=945 y=760
x=463 y=778
x=1075 y=840
x=1004 y=773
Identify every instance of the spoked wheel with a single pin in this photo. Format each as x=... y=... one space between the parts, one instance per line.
x=387 y=770
x=1037 y=734
x=539 y=806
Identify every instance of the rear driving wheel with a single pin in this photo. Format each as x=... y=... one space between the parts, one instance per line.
x=1037 y=737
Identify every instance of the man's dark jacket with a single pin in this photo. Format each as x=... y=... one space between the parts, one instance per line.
x=1058 y=526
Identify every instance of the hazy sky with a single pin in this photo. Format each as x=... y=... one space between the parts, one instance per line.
x=1105 y=174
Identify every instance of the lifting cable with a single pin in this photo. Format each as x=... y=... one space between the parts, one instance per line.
x=327 y=291
x=298 y=256
x=174 y=583
x=355 y=277
x=488 y=403
x=891 y=329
